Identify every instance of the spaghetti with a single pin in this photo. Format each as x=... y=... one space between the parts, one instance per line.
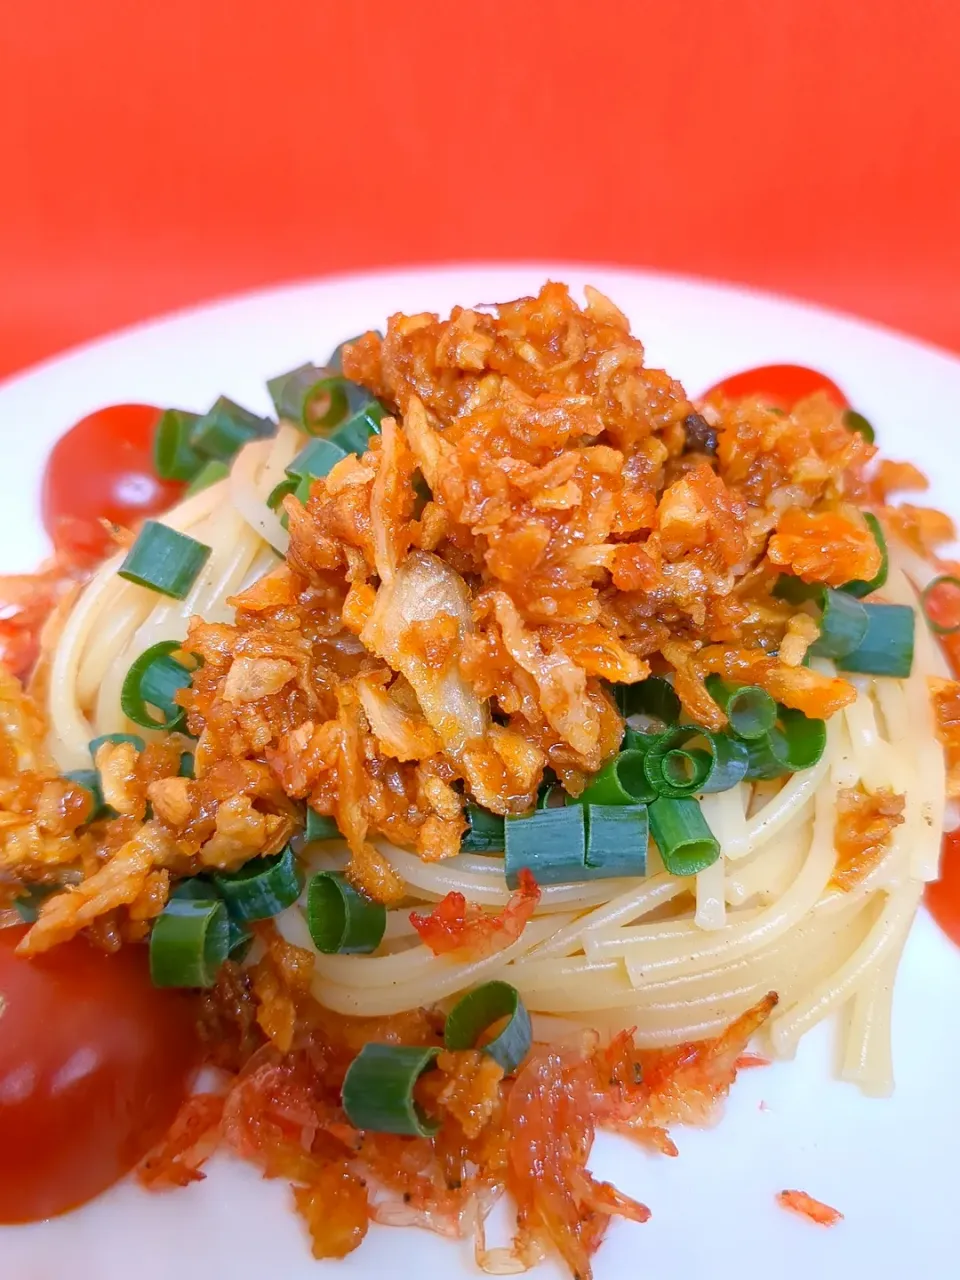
x=570 y=539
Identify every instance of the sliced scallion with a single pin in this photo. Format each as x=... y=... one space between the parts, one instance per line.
x=805 y=738
x=336 y=359
x=317 y=458
x=768 y=755
x=212 y=472
x=226 y=427
x=843 y=624
x=795 y=591
x=654 y=697
x=378 y=1089
x=887 y=647
x=616 y=840
x=96 y=743
x=622 y=780
x=153 y=680
x=750 y=709
x=164 y=560
x=312 y=397
x=187 y=765
x=189 y=942
x=200 y=889
x=679 y=829
x=478 y=1011
x=715 y=762
x=89 y=780
x=550 y=843
x=28 y=905
x=320 y=827
x=854 y=421
x=174 y=457
x=342 y=920
x=860 y=587
x=944 y=583
x=263 y=887
x=353 y=434
x=484 y=833
x=279 y=492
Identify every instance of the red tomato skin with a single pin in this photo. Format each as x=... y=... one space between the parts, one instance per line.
x=102 y=468
x=943 y=896
x=783 y=385
x=94 y=1063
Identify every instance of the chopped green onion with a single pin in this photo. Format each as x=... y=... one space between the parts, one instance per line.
x=550 y=795
x=767 y=756
x=318 y=458
x=89 y=780
x=279 y=492
x=174 y=457
x=750 y=709
x=622 y=780
x=189 y=942
x=551 y=843
x=854 y=421
x=478 y=1011
x=887 y=647
x=616 y=840
x=654 y=697
x=353 y=435
x=805 y=738
x=311 y=397
x=640 y=740
x=164 y=560
x=858 y=587
x=301 y=493
x=263 y=887
x=212 y=472
x=930 y=590
x=843 y=624
x=96 y=743
x=187 y=762
x=28 y=906
x=484 y=833
x=336 y=359
x=679 y=829
x=670 y=769
x=716 y=763
x=795 y=591
x=226 y=428
x=200 y=889
x=320 y=827
x=153 y=680
x=341 y=919
x=797 y=742
x=378 y=1089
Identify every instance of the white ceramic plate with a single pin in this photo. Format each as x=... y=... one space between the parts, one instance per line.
x=890 y=1166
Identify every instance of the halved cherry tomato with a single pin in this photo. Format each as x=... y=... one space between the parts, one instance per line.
x=94 y=1063
x=943 y=896
x=782 y=385
x=103 y=469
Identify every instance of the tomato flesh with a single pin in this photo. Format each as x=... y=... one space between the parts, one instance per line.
x=103 y=469
x=94 y=1063
x=943 y=896
x=782 y=385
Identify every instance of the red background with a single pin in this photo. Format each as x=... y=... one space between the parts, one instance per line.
x=154 y=155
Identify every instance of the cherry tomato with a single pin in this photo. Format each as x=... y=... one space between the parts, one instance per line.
x=781 y=384
x=103 y=469
x=943 y=896
x=94 y=1063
